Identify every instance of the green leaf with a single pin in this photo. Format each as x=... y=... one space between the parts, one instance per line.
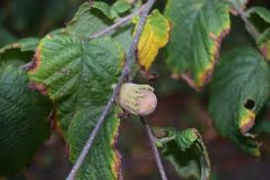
x=78 y=76
x=185 y=150
x=239 y=90
x=112 y=12
x=86 y=22
x=23 y=118
x=121 y=6
x=198 y=27
x=263 y=43
x=103 y=161
x=82 y=25
x=263 y=12
x=26 y=44
x=259 y=17
x=105 y=9
x=124 y=36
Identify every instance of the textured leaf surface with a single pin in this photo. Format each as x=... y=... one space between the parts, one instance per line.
x=23 y=119
x=185 y=150
x=86 y=21
x=154 y=36
x=198 y=27
x=240 y=88
x=78 y=76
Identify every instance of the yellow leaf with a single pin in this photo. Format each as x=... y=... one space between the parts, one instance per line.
x=154 y=36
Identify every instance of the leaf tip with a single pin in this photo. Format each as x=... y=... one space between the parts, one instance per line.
x=246 y=121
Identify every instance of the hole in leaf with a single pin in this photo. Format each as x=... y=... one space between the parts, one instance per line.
x=249 y=104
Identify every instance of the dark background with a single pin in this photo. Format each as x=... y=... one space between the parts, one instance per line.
x=178 y=106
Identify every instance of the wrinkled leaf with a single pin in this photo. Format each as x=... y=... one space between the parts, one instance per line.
x=198 y=27
x=86 y=22
x=78 y=76
x=23 y=117
x=154 y=36
x=239 y=90
x=105 y=9
x=185 y=150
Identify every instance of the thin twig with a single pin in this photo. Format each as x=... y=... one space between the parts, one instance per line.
x=103 y=32
x=155 y=150
x=126 y=71
x=119 y=23
x=251 y=28
x=27 y=65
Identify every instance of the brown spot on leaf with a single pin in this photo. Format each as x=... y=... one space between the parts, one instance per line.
x=264 y=50
x=247 y=121
x=246 y=127
x=49 y=36
x=36 y=60
x=218 y=41
x=40 y=87
x=117 y=165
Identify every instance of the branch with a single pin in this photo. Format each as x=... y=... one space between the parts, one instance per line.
x=119 y=23
x=126 y=71
x=155 y=150
x=27 y=66
x=251 y=28
x=104 y=32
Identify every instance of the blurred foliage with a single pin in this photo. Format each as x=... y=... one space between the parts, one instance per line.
x=179 y=106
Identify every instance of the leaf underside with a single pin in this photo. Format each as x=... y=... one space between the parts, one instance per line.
x=185 y=150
